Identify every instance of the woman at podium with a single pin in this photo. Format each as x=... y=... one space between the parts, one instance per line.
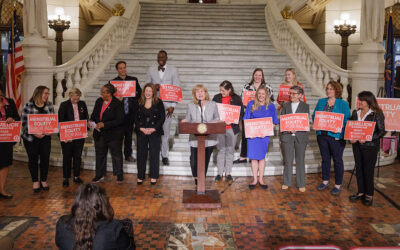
x=257 y=147
x=201 y=110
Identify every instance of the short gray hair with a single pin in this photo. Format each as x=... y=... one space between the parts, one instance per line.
x=298 y=89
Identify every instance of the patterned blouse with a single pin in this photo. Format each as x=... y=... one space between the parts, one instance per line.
x=30 y=108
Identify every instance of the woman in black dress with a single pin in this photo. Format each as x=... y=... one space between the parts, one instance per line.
x=149 y=120
x=8 y=113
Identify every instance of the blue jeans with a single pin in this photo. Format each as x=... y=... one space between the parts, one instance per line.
x=331 y=148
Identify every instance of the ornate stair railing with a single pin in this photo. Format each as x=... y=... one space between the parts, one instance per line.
x=84 y=69
x=288 y=37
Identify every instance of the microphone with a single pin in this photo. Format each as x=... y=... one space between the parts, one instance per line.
x=201 y=110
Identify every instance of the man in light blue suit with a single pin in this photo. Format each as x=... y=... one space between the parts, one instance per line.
x=164 y=74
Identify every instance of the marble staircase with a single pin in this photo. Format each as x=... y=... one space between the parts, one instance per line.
x=208 y=44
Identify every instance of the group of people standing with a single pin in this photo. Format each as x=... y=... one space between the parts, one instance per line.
x=113 y=121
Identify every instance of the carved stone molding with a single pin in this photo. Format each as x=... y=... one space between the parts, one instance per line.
x=95 y=11
x=310 y=14
x=286 y=13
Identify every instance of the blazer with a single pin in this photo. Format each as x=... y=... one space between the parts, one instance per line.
x=210 y=114
x=235 y=100
x=301 y=136
x=113 y=118
x=157 y=119
x=115 y=234
x=132 y=101
x=341 y=106
x=170 y=77
x=379 y=130
x=66 y=111
x=11 y=112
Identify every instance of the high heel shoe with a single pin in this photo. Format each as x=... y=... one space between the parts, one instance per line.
x=252 y=186
x=153 y=182
x=47 y=188
x=139 y=182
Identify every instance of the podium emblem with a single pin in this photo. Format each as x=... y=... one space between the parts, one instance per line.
x=202 y=128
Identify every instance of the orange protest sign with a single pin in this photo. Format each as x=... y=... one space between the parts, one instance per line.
x=359 y=130
x=73 y=130
x=296 y=122
x=124 y=88
x=171 y=93
x=391 y=110
x=248 y=96
x=259 y=127
x=229 y=113
x=10 y=132
x=42 y=123
x=284 y=93
x=328 y=121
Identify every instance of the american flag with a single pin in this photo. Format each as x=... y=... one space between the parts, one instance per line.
x=15 y=65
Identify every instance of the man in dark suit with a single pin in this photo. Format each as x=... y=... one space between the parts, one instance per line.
x=294 y=143
x=130 y=108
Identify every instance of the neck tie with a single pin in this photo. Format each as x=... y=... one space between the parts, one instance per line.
x=126 y=106
x=161 y=68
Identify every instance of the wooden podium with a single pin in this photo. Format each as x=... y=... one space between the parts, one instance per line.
x=201 y=198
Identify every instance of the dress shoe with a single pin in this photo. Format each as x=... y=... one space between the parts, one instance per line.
x=263 y=186
x=44 y=188
x=78 y=180
x=229 y=177
x=284 y=187
x=97 y=179
x=195 y=182
x=356 y=197
x=218 y=178
x=153 y=182
x=6 y=196
x=323 y=186
x=165 y=161
x=367 y=201
x=335 y=191
x=238 y=161
x=252 y=186
x=139 y=182
x=130 y=159
x=120 y=178
x=65 y=182
x=302 y=189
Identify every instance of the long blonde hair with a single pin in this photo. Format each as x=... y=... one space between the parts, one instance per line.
x=198 y=87
x=257 y=103
x=296 y=81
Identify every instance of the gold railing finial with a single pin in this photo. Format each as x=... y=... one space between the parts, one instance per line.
x=286 y=13
x=119 y=10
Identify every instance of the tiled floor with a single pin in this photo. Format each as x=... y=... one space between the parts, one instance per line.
x=257 y=219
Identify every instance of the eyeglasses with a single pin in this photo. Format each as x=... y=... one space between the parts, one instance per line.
x=291 y=93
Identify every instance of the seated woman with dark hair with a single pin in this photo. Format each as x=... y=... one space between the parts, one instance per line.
x=91 y=224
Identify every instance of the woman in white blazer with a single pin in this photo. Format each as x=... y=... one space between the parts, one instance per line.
x=201 y=110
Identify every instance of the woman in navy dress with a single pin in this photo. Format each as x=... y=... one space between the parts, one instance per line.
x=257 y=147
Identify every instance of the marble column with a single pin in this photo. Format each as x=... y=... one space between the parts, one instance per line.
x=38 y=64
x=368 y=71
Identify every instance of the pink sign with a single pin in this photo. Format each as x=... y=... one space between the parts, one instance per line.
x=359 y=130
x=73 y=130
x=10 y=132
x=296 y=122
x=391 y=110
x=328 y=121
x=248 y=96
x=260 y=127
x=229 y=113
x=171 y=93
x=42 y=123
x=124 y=88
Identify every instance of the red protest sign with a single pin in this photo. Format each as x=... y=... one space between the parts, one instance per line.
x=391 y=110
x=248 y=96
x=10 y=132
x=259 y=127
x=42 y=123
x=359 y=130
x=73 y=130
x=328 y=121
x=124 y=88
x=229 y=113
x=296 y=122
x=171 y=93
x=284 y=93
